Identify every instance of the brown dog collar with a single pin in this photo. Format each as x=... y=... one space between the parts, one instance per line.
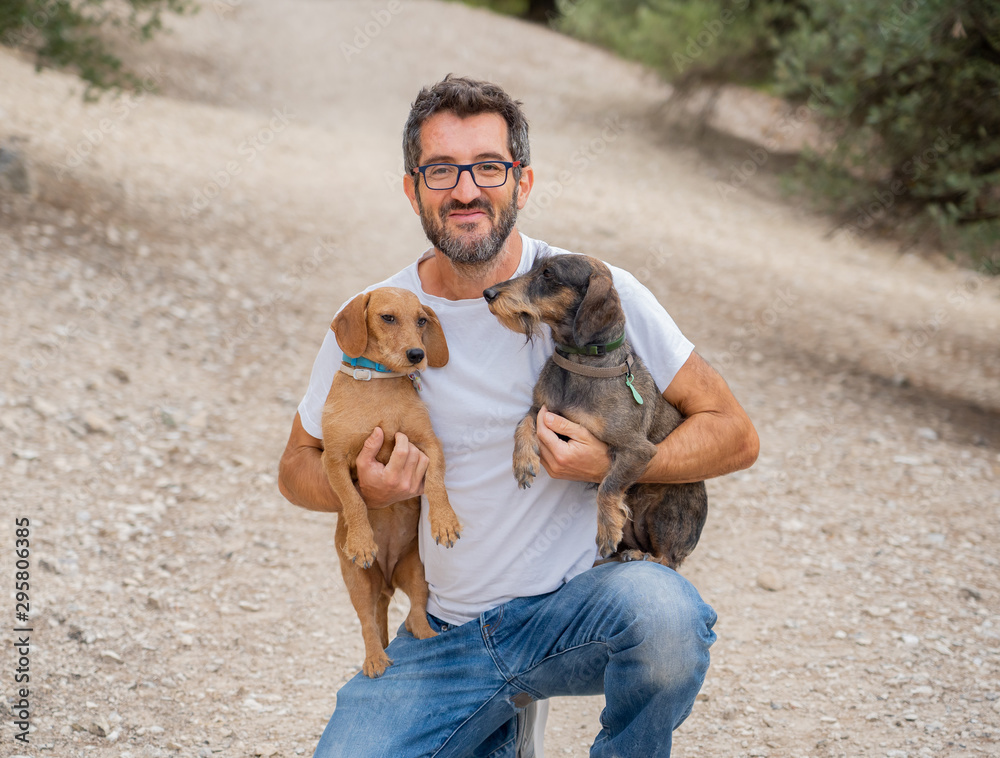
x=608 y=372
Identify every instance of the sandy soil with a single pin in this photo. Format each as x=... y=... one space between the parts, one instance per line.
x=168 y=285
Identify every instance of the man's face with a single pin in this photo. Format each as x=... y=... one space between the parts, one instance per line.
x=468 y=224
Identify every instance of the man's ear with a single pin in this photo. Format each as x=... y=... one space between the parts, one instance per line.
x=410 y=188
x=351 y=326
x=524 y=185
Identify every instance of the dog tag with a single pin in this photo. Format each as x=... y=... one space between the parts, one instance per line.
x=635 y=392
x=418 y=385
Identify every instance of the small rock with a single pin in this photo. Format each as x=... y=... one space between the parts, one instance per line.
x=970 y=593
x=26 y=455
x=43 y=408
x=249 y=606
x=121 y=375
x=95 y=424
x=910 y=716
x=111 y=655
x=100 y=727
x=925 y=432
x=770 y=581
x=910 y=640
x=877 y=611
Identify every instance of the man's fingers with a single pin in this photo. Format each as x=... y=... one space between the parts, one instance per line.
x=371 y=447
x=407 y=465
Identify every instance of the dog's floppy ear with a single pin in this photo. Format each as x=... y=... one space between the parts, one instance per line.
x=598 y=310
x=434 y=341
x=351 y=326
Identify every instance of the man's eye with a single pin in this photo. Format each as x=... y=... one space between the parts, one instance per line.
x=389 y=319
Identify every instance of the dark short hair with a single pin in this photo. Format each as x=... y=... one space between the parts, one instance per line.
x=465 y=97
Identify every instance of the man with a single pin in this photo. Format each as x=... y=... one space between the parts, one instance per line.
x=521 y=613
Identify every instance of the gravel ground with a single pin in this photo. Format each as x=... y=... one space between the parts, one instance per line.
x=168 y=283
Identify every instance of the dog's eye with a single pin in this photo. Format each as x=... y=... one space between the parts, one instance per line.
x=547 y=273
x=421 y=321
x=388 y=318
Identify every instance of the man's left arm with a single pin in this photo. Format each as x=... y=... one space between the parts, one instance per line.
x=715 y=438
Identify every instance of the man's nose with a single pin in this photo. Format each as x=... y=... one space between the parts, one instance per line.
x=466 y=190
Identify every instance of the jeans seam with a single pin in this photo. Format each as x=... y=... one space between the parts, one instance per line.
x=561 y=652
x=505 y=672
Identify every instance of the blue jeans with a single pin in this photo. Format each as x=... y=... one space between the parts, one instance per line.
x=638 y=632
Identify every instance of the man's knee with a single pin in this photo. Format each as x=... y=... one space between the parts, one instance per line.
x=667 y=619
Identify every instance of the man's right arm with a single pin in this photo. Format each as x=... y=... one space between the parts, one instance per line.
x=303 y=481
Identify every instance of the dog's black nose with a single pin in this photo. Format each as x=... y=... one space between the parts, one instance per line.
x=415 y=355
x=490 y=294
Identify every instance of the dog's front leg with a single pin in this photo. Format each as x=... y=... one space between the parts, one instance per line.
x=444 y=523
x=627 y=465
x=527 y=462
x=359 y=544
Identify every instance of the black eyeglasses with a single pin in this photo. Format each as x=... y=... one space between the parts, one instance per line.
x=445 y=176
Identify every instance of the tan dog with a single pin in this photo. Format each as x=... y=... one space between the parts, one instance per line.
x=378 y=548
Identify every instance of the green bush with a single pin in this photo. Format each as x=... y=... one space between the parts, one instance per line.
x=687 y=40
x=913 y=94
x=73 y=35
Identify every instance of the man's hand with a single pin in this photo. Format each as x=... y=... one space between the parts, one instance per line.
x=399 y=479
x=581 y=458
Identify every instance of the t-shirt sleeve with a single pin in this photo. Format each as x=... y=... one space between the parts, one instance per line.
x=651 y=330
x=324 y=368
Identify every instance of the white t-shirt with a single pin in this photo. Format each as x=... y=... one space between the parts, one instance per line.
x=515 y=543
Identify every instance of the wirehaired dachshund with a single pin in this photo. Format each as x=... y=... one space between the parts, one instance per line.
x=387 y=337
x=596 y=380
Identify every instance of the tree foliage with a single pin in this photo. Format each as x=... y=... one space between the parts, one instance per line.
x=913 y=92
x=909 y=89
x=74 y=34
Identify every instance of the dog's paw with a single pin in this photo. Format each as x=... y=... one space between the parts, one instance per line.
x=608 y=537
x=419 y=628
x=376 y=664
x=527 y=464
x=611 y=515
x=445 y=529
x=361 y=551
x=636 y=555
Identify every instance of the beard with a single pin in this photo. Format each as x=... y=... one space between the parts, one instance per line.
x=471 y=253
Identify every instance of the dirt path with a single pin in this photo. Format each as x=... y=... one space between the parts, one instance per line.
x=164 y=298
